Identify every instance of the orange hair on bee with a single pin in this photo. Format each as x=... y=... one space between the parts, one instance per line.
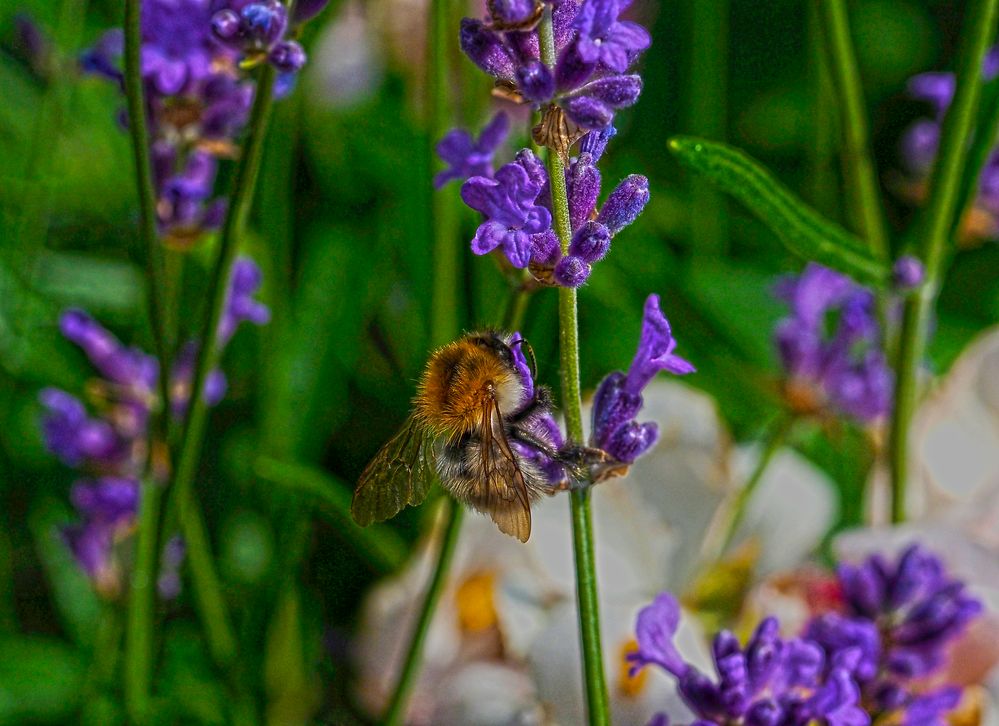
x=458 y=380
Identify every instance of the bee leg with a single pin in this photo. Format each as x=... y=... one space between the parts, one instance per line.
x=590 y=464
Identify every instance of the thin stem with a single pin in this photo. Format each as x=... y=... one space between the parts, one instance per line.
x=142 y=592
x=444 y=217
x=396 y=711
x=152 y=253
x=862 y=183
x=595 y=682
x=141 y=598
x=939 y=222
x=208 y=591
x=720 y=539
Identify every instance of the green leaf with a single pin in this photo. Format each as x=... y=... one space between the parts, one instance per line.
x=802 y=230
x=40 y=680
x=377 y=543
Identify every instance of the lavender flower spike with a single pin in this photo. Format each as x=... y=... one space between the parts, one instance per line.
x=769 y=682
x=619 y=397
x=513 y=216
x=467 y=157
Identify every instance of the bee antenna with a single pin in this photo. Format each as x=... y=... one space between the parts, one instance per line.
x=532 y=361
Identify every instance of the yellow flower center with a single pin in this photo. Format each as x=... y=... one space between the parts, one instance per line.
x=476 y=602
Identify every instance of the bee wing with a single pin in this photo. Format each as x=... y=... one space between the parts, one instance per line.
x=400 y=474
x=506 y=497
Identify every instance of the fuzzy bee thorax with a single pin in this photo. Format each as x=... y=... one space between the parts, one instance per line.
x=459 y=381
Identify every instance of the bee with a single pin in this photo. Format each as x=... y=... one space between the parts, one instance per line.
x=469 y=425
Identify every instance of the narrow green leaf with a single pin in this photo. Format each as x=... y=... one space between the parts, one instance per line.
x=379 y=544
x=802 y=230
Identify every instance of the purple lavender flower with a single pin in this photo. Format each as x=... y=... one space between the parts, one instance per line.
x=902 y=616
x=256 y=30
x=513 y=216
x=770 y=681
x=907 y=273
x=467 y=157
x=603 y=38
x=921 y=141
x=845 y=370
x=593 y=50
x=619 y=397
x=114 y=444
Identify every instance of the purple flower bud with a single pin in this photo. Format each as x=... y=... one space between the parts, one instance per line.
x=571 y=271
x=264 y=22
x=545 y=248
x=590 y=242
x=616 y=91
x=625 y=203
x=583 y=186
x=226 y=24
x=596 y=141
x=485 y=49
x=588 y=112
x=535 y=81
x=510 y=12
x=288 y=56
x=572 y=70
x=907 y=273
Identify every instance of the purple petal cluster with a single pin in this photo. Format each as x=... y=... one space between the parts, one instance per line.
x=618 y=399
x=770 y=681
x=843 y=369
x=107 y=441
x=516 y=203
x=594 y=50
x=198 y=95
x=921 y=141
x=258 y=30
x=901 y=616
x=467 y=157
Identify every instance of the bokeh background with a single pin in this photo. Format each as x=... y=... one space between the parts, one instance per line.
x=341 y=227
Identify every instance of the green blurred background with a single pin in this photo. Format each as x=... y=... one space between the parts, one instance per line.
x=341 y=228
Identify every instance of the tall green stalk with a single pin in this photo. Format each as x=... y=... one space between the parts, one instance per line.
x=208 y=591
x=595 y=682
x=945 y=183
x=862 y=181
x=142 y=592
x=396 y=711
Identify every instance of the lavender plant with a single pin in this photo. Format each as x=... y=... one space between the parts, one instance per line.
x=865 y=664
x=569 y=62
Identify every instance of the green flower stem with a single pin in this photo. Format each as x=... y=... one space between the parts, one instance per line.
x=939 y=222
x=735 y=511
x=706 y=116
x=208 y=591
x=152 y=250
x=595 y=683
x=863 y=183
x=453 y=513
x=142 y=591
x=444 y=305
x=141 y=598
